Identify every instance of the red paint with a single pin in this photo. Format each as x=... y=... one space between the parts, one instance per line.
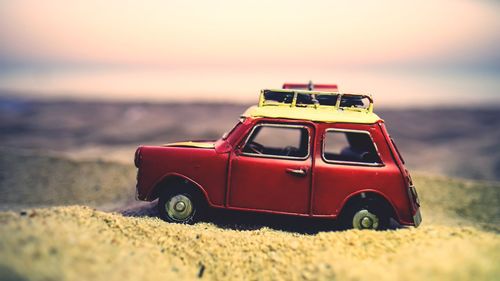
x=231 y=180
x=315 y=87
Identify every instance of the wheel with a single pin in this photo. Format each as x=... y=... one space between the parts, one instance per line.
x=180 y=206
x=366 y=216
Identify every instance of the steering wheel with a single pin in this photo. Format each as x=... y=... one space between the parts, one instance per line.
x=256 y=147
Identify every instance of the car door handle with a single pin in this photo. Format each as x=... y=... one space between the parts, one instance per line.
x=297 y=172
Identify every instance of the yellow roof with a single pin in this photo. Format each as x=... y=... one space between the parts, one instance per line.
x=319 y=114
x=313 y=112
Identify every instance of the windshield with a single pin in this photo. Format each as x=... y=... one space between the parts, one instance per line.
x=227 y=134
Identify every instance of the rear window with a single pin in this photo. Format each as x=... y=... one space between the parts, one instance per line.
x=350 y=147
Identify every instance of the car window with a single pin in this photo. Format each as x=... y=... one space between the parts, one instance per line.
x=227 y=134
x=277 y=140
x=350 y=147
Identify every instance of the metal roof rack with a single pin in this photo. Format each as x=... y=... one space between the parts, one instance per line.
x=315 y=99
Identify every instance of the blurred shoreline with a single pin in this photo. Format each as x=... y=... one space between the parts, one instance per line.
x=453 y=141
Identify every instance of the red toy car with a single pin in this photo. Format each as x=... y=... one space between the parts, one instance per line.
x=298 y=152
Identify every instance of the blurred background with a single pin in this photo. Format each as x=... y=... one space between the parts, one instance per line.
x=430 y=53
x=84 y=82
x=92 y=79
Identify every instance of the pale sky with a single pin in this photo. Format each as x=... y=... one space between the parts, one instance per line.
x=160 y=50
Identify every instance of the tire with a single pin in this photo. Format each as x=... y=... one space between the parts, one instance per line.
x=180 y=205
x=366 y=215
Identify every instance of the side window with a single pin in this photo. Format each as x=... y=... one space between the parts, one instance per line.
x=350 y=147
x=288 y=141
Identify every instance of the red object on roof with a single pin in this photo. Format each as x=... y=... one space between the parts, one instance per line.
x=310 y=86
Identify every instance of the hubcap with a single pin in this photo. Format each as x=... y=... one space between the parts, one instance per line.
x=366 y=222
x=364 y=219
x=179 y=207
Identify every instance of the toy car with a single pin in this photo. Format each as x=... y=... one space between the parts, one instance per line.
x=299 y=152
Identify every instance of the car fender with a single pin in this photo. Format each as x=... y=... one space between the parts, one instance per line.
x=153 y=194
x=377 y=192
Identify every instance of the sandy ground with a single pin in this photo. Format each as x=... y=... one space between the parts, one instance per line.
x=79 y=243
x=29 y=179
x=458 y=240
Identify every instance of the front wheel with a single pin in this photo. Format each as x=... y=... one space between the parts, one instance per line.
x=179 y=206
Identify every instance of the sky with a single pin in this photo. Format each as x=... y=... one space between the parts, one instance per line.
x=402 y=52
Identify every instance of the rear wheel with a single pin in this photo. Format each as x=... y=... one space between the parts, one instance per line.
x=180 y=206
x=366 y=215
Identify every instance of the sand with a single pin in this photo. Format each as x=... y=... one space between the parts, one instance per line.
x=458 y=240
x=79 y=243
x=33 y=179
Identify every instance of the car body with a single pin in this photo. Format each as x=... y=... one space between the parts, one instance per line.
x=298 y=152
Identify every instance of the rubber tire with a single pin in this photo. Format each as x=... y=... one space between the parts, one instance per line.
x=198 y=203
x=372 y=207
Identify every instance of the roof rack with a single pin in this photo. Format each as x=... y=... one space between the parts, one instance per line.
x=315 y=99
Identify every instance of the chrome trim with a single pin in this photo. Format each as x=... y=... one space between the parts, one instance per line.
x=278 y=156
x=381 y=164
x=296 y=172
x=353 y=163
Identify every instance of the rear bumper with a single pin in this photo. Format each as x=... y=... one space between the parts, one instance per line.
x=417 y=218
x=415 y=201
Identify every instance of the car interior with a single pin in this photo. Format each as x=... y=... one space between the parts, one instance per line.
x=283 y=141
x=345 y=146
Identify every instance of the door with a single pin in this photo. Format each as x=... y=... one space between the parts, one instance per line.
x=272 y=169
x=349 y=162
